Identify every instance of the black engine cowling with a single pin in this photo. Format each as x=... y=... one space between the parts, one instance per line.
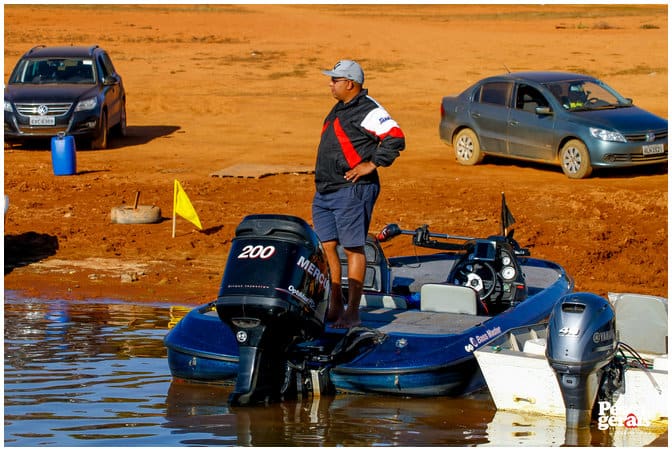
x=581 y=343
x=274 y=294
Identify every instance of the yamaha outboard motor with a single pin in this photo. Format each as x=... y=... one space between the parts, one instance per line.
x=274 y=294
x=581 y=342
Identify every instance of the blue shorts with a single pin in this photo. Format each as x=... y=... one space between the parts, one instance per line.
x=345 y=215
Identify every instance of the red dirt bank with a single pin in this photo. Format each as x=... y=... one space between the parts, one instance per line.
x=213 y=86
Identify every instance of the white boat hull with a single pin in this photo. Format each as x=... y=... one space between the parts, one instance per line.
x=520 y=379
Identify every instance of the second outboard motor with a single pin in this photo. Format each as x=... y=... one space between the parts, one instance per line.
x=274 y=294
x=581 y=342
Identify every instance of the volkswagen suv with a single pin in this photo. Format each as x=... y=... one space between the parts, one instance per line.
x=73 y=90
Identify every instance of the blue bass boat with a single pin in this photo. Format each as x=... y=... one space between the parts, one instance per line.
x=422 y=315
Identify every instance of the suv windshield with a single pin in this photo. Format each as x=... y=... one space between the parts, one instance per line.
x=54 y=70
x=586 y=95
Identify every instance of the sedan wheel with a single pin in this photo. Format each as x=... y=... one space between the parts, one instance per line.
x=467 y=149
x=575 y=160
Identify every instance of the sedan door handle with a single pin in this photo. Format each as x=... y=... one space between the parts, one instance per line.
x=475 y=115
x=514 y=123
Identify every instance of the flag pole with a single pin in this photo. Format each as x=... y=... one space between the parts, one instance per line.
x=174 y=201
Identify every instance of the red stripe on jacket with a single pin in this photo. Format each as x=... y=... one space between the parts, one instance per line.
x=394 y=132
x=351 y=155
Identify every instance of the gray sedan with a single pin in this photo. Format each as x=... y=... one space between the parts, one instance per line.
x=573 y=120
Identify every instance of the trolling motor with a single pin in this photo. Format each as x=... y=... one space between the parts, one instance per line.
x=274 y=294
x=581 y=344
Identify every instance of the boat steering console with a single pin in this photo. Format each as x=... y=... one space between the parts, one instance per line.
x=488 y=266
x=491 y=267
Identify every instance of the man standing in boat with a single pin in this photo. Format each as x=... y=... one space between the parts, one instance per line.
x=358 y=136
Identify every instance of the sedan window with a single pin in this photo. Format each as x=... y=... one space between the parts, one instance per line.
x=497 y=93
x=529 y=98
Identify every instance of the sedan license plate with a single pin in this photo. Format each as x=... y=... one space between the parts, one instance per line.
x=42 y=120
x=652 y=149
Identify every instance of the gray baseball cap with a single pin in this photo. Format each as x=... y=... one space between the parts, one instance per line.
x=347 y=69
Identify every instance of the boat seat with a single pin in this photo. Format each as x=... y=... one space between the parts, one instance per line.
x=377 y=275
x=448 y=298
x=375 y=300
x=641 y=321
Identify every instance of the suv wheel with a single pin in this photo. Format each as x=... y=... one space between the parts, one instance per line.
x=120 y=128
x=100 y=141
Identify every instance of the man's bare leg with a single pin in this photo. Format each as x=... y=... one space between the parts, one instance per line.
x=356 y=270
x=336 y=309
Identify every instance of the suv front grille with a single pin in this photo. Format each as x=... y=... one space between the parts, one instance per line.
x=54 y=109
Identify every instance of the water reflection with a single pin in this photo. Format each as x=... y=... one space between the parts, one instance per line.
x=96 y=374
x=347 y=420
x=82 y=373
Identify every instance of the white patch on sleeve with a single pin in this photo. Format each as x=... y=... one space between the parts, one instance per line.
x=379 y=122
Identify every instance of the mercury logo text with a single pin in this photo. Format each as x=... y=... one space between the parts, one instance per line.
x=313 y=271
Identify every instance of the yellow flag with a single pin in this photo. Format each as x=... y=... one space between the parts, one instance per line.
x=182 y=206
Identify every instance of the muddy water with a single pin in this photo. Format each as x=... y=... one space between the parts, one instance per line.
x=95 y=374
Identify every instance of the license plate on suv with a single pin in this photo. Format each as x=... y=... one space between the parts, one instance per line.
x=652 y=149
x=42 y=120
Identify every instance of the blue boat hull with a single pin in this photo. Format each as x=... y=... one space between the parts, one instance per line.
x=449 y=379
x=201 y=347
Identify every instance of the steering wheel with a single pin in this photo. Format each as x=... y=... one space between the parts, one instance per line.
x=479 y=275
x=594 y=101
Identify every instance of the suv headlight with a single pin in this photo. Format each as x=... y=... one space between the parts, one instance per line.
x=607 y=135
x=8 y=106
x=86 y=104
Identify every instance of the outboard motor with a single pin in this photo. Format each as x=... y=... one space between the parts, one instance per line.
x=274 y=294
x=581 y=342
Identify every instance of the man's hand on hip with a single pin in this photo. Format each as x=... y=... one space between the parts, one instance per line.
x=362 y=169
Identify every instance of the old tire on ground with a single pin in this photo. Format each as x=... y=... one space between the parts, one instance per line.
x=143 y=214
x=467 y=148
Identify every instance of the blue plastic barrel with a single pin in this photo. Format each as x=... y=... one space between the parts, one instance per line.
x=63 y=155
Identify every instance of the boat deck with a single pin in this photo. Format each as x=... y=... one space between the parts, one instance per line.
x=391 y=321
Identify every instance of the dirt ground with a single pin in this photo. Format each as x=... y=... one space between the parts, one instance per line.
x=213 y=86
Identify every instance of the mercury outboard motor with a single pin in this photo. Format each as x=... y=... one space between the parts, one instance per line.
x=274 y=294
x=581 y=342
